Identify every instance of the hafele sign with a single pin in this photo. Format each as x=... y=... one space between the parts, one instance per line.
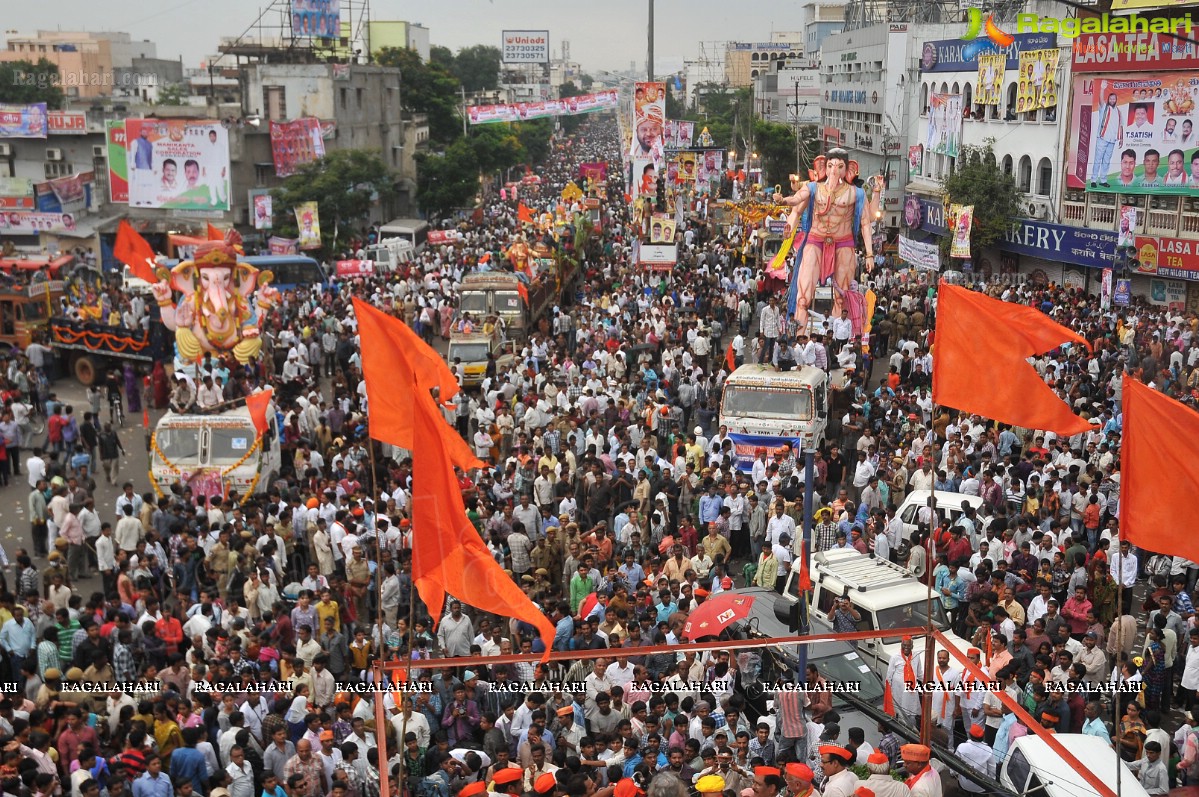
x=1075 y=245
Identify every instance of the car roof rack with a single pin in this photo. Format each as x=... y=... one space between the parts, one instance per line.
x=864 y=572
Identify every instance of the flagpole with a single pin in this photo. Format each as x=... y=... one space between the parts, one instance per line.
x=380 y=733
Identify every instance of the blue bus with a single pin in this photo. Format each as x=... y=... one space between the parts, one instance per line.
x=291 y=271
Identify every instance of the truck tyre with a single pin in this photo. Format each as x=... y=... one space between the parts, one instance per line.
x=85 y=370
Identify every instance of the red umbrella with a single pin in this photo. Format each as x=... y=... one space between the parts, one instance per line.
x=716 y=614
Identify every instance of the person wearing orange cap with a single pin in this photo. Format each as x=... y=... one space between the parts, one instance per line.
x=768 y=781
x=979 y=755
x=545 y=784
x=627 y=787
x=880 y=781
x=923 y=780
x=799 y=777
x=509 y=781
x=971 y=700
x=906 y=667
x=473 y=789
x=840 y=780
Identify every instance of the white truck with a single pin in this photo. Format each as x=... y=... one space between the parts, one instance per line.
x=391 y=255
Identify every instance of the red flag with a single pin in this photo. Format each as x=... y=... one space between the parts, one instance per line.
x=257 y=403
x=888 y=699
x=135 y=252
x=448 y=556
x=805 y=572
x=396 y=365
x=215 y=234
x=523 y=291
x=980 y=363
x=730 y=359
x=524 y=214
x=1160 y=472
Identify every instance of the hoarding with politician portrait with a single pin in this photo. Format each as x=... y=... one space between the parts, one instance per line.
x=294 y=144
x=1135 y=134
x=118 y=173
x=23 y=121
x=649 y=123
x=318 y=19
x=991 y=71
x=1037 y=86
x=944 y=124
x=176 y=164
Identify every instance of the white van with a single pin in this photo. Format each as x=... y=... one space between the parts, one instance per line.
x=414 y=231
x=389 y=255
x=949 y=507
x=132 y=284
x=1032 y=768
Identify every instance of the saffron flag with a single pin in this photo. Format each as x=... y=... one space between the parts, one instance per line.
x=397 y=365
x=730 y=359
x=523 y=214
x=257 y=404
x=888 y=699
x=980 y=362
x=523 y=291
x=448 y=555
x=805 y=572
x=1160 y=472
x=214 y=234
x=135 y=252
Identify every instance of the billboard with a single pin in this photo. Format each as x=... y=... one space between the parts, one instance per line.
x=525 y=47
x=959 y=55
x=1135 y=134
x=1131 y=52
x=991 y=71
x=294 y=144
x=1037 y=87
x=309 y=223
x=944 y=124
x=118 y=173
x=920 y=254
x=316 y=18
x=649 y=126
x=24 y=223
x=23 y=121
x=567 y=106
x=1171 y=258
x=177 y=164
x=67 y=123
x=963 y=216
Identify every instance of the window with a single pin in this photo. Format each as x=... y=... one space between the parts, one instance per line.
x=1044 y=177
x=56 y=169
x=1011 y=103
x=967 y=98
x=361 y=94
x=342 y=95
x=753 y=56
x=274 y=99
x=924 y=99
x=1024 y=182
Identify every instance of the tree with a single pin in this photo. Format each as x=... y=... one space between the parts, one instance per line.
x=447 y=180
x=478 y=67
x=775 y=145
x=343 y=184
x=174 y=94
x=977 y=180
x=427 y=88
x=586 y=81
x=534 y=135
x=496 y=148
x=441 y=56
x=24 y=82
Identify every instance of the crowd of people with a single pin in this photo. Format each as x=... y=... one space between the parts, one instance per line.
x=613 y=498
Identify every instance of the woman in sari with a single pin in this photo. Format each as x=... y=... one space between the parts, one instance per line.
x=1154 y=669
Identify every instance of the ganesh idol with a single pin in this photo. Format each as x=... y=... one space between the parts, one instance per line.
x=222 y=304
x=827 y=213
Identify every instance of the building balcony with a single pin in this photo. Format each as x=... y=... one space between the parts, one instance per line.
x=1171 y=217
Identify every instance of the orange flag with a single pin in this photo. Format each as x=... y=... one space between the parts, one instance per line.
x=397 y=365
x=888 y=699
x=730 y=359
x=448 y=556
x=980 y=366
x=523 y=214
x=215 y=234
x=523 y=291
x=257 y=403
x=805 y=572
x=1160 y=471
x=134 y=251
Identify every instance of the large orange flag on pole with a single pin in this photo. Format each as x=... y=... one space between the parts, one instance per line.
x=257 y=404
x=1159 y=472
x=135 y=252
x=448 y=556
x=396 y=365
x=980 y=361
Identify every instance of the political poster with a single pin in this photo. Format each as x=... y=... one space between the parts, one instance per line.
x=645 y=178
x=70 y=189
x=916 y=158
x=24 y=223
x=283 y=246
x=944 y=124
x=963 y=220
x=711 y=164
x=263 y=211
x=294 y=144
x=688 y=168
x=177 y=164
x=23 y=121
x=1037 y=86
x=685 y=134
x=649 y=123
x=661 y=230
x=919 y=254
x=1128 y=226
x=991 y=70
x=309 y=222
x=1136 y=134
x=118 y=173
x=567 y=106
x=347 y=269
x=319 y=19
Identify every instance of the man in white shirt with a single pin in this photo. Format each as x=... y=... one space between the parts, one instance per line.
x=975 y=752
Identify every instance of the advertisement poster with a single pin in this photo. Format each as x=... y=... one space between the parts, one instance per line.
x=355 y=268
x=316 y=18
x=309 y=222
x=916 y=158
x=1140 y=135
x=263 y=211
x=294 y=144
x=16 y=193
x=525 y=47
x=118 y=174
x=1122 y=293
x=283 y=246
x=661 y=230
x=69 y=189
x=1037 y=87
x=66 y=123
x=944 y=124
x=176 y=164
x=23 y=121
x=963 y=220
x=919 y=254
x=991 y=70
x=1173 y=258
x=22 y=223
x=649 y=123
x=1128 y=226
x=659 y=257
x=1171 y=294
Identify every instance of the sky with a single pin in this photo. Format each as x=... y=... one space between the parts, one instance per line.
x=606 y=39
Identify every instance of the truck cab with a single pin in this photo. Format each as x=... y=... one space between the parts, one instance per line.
x=494 y=294
x=215 y=452
x=766 y=408
x=391 y=255
x=471 y=351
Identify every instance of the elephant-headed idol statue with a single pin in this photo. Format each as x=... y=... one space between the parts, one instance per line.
x=221 y=307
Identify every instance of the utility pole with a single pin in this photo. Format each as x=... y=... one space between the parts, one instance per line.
x=649 y=61
x=462 y=90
